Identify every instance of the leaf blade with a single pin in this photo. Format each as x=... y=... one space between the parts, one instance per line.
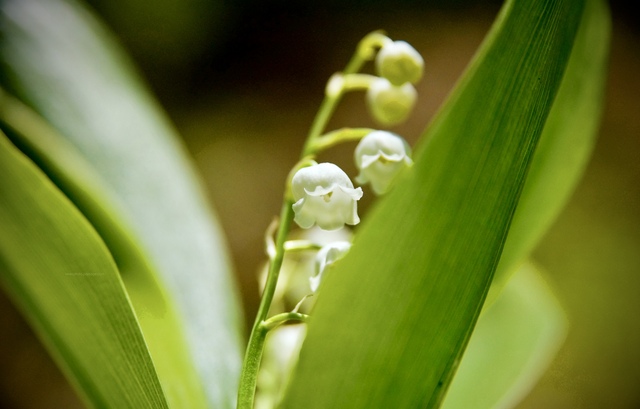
x=68 y=68
x=515 y=339
x=59 y=272
x=153 y=307
x=565 y=144
x=399 y=345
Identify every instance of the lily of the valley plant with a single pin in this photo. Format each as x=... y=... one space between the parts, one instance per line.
x=428 y=299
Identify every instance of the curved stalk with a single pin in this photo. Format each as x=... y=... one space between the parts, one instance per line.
x=314 y=143
x=253 y=355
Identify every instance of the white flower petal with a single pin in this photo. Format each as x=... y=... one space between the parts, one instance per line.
x=303 y=217
x=367 y=160
x=355 y=194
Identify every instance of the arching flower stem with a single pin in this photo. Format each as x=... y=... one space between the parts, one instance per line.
x=335 y=89
x=365 y=51
x=338 y=84
x=255 y=346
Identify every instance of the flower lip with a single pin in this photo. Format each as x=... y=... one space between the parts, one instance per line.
x=321 y=191
x=368 y=160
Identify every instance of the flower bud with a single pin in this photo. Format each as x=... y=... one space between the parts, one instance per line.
x=399 y=62
x=324 y=195
x=326 y=256
x=380 y=156
x=390 y=104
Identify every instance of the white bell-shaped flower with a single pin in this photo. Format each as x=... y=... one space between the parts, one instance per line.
x=380 y=156
x=326 y=256
x=324 y=195
x=390 y=104
x=399 y=62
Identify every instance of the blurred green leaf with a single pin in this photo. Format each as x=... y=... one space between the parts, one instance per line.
x=393 y=319
x=58 y=59
x=59 y=272
x=155 y=310
x=565 y=144
x=515 y=339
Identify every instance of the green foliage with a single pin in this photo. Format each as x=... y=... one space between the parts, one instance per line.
x=109 y=249
x=58 y=270
x=154 y=309
x=565 y=144
x=511 y=345
x=392 y=321
x=111 y=150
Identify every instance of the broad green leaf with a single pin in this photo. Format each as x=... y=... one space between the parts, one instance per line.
x=565 y=144
x=63 y=63
x=393 y=319
x=515 y=339
x=154 y=309
x=59 y=272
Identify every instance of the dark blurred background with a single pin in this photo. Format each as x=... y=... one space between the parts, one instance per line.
x=242 y=80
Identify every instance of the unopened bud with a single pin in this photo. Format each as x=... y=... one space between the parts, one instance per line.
x=399 y=62
x=390 y=104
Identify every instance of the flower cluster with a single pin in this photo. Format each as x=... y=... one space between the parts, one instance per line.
x=323 y=194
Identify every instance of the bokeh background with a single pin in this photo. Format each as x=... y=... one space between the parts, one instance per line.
x=241 y=80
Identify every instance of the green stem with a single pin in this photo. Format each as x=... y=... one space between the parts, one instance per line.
x=280 y=319
x=338 y=85
x=250 y=367
x=327 y=108
x=300 y=245
x=366 y=50
x=333 y=138
x=357 y=82
x=253 y=355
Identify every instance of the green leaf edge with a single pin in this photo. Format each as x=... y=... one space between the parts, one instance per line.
x=527 y=321
x=124 y=377
x=565 y=145
x=212 y=315
x=154 y=308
